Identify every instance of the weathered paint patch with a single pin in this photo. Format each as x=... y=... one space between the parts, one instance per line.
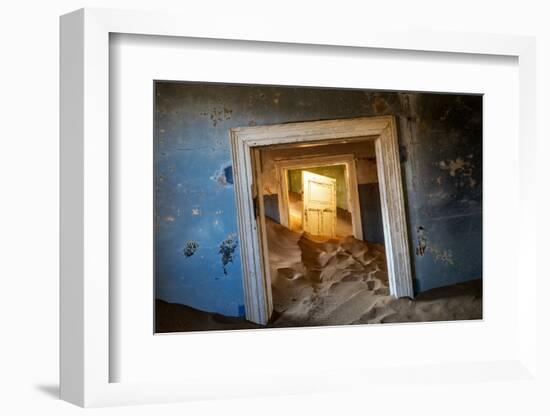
x=444 y=256
x=421 y=241
x=224 y=175
x=191 y=247
x=380 y=105
x=227 y=251
x=217 y=115
x=460 y=170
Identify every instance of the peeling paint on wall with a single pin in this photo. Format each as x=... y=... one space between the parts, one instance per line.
x=460 y=170
x=217 y=115
x=227 y=250
x=444 y=256
x=190 y=248
x=224 y=175
x=421 y=241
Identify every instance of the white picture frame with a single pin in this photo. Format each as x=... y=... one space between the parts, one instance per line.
x=85 y=216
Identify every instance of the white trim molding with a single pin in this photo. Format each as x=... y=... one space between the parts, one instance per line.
x=382 y=130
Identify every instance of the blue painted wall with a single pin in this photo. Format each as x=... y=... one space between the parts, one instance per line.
x=371 y=213
x=197 y=259
x=271 y=207
x=442 y=159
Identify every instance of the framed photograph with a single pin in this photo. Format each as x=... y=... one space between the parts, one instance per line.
x=259 y=214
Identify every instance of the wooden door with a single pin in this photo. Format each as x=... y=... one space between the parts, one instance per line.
x=319 y=212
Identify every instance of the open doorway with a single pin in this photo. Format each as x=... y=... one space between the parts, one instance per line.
x=315 y=163
x=315 y=199
x=314 y=206
x=317 y=194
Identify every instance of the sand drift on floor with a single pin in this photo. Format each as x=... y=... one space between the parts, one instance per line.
x=345 y=281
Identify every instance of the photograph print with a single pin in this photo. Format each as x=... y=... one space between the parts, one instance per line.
x=284 y=206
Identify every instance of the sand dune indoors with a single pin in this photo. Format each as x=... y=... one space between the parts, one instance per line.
x=344 y=281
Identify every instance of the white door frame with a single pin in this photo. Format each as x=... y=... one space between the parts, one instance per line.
x=348 y=160
x=250 y=209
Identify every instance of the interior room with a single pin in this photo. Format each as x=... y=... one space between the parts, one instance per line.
x=327 y=263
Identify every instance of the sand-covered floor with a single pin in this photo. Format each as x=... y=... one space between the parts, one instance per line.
x=330 y=282
x=345 y=281
x=175 y=317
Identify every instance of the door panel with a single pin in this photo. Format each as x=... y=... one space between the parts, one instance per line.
x=319 y=204
x=328 y=219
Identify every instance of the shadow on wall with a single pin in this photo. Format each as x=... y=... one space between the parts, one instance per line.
x=371 y=213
